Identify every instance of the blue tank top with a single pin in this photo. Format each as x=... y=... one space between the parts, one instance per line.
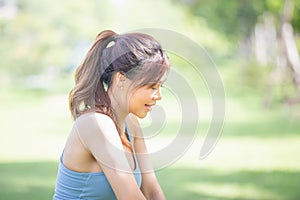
x=73 y=185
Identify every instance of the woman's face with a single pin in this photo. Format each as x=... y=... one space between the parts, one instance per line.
x=143 y=98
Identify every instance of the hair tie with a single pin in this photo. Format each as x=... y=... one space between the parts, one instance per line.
x=112 y=42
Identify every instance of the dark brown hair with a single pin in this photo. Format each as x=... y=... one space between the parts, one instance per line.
x=136 y=55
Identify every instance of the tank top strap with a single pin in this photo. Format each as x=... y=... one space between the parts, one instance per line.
x=128 y=134
x=137 y=167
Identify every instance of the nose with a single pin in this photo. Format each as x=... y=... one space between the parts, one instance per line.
x=158 y=95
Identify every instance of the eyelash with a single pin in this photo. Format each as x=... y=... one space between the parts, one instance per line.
x=161 y=85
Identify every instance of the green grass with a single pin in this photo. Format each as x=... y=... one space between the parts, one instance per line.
x=35 y=180
x=27 y=180
x=256 y=157
x=205 y=183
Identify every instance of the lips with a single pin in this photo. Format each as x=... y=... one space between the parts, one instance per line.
x=149 y=106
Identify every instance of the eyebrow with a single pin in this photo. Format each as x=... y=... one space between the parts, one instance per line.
x=152 y=83
x=157 y=82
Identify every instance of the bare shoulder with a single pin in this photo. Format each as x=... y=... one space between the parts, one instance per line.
x=95 y=123
x=94 y=119
x=84 y=118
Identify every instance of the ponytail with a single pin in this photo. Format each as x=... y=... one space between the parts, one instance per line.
x=89 y=93
x=88 y=88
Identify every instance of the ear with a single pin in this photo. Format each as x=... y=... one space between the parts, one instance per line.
x=116 y=79
x=120 y=77
x=120 y=80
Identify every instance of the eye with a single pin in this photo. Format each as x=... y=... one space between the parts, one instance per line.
x=156 y=86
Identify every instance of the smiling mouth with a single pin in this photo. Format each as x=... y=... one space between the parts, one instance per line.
x=149 y=107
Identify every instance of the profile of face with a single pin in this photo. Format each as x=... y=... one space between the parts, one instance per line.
x=144 y=98
x=137 y=64
x=136 y=99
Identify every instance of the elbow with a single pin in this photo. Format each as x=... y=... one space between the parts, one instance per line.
x=156 y=194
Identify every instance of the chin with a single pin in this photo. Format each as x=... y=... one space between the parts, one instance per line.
x=140 y=115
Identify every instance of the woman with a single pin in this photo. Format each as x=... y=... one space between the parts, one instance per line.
x=105 y=156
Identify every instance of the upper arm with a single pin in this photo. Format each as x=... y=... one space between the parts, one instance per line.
x=100 y=136
x=149 y=180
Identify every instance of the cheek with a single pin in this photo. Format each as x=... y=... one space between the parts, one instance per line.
x=137 y=100
x=133 y=102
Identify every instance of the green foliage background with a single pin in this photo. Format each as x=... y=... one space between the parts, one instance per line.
x=41 y=43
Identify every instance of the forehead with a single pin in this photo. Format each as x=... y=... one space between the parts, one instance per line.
x=162 y=78
x=155 y=82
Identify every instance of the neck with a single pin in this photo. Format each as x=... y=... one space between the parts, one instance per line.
x=118 y=109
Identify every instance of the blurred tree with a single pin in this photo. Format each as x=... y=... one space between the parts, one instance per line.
x=236 y=18
x=266 y=33
x=42 y=34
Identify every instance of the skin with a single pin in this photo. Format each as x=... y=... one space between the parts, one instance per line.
x=81 y=152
